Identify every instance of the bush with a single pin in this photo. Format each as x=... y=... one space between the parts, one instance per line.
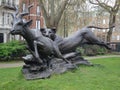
x=92 y=50
x=12 y=50
x=80 y=50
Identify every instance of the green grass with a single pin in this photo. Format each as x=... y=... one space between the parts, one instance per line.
x=11 y=61
x=105 y=76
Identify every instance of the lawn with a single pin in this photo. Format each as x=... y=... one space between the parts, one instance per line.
x=105 y=76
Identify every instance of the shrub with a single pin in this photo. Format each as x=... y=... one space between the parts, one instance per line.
x=11 y=50
x=81 y=50
x=92 y=50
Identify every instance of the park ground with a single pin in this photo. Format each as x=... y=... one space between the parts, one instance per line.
x=104 y=75
x=21 y=63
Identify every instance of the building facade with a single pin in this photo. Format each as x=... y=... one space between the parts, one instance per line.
x=6 y=8
x=103 y=21
x=35 y=13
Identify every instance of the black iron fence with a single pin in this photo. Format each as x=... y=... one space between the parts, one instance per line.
x=115 y=46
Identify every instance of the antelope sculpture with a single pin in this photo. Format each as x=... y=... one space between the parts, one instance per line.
x=40 y=46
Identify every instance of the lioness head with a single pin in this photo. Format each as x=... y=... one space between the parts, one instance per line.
x=50 y=33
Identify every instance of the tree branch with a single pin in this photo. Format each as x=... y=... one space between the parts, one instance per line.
x=60 y=12
x=93 y=2
x=44 y=10
x=117 y=6
x=52 y=13
x=105 y=6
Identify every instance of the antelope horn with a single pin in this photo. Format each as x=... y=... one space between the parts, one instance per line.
x=26 y=11
x=16 y=13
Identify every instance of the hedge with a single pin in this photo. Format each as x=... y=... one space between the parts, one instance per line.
x=92 y=50
x=12 y=50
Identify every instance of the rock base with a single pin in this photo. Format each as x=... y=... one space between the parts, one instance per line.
x=34 y=70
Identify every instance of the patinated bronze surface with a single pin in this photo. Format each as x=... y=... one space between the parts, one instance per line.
x=49 y=52
x=81 y=36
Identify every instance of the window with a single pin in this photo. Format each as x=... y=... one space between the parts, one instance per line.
x=3 y=14
x=104 y=30
x=23 y=8
x=118 y=37
x=7 y=2
x=37 y=24
x=0 y=19
x=93 y=29
x=5 y=18
x=104 y=21
x=8 y=18
x=3 y=1
x=113 y=29
x=38 y=10
x=113 y=46
x=12 y=2
x=113 y=37
x=1 y=37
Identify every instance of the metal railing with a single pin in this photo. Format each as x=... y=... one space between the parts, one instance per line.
x=5 y=26
x=8 y=4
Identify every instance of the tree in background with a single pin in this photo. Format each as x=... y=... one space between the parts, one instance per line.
x=53 y=11
x=75 y=16
x=112 y=10
x=69 y=15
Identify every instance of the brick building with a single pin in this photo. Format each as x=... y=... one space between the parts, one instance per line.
x=103 y=21
x=6 y=8
x=35 y=13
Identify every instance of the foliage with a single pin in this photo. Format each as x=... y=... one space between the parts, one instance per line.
x=112 y=9
x=53 y=10
x=91 y=50
x=81 y=50
x=11 y=50
x=99 y=77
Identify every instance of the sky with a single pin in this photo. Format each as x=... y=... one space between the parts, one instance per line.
x=109 y=2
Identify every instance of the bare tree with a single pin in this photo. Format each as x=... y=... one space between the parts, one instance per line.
x=53 y=11
x=75 y=16
x=112 y=10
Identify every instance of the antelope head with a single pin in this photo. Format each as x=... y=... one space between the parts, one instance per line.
x=19 y=24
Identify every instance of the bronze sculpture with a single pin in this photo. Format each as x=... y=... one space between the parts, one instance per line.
x=50 y=54
x=81 y=36
x=69 y=44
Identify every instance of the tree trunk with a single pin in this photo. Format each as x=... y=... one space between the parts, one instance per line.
x=112 y=20
x=53 y=19
x=60 y=13
x=112 y=10
x=50 y=22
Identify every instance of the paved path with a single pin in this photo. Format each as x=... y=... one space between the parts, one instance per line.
x=20 y=63
x=96 y=57
x=11 y=64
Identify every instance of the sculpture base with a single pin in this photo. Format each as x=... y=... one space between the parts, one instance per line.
x=33 y=70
